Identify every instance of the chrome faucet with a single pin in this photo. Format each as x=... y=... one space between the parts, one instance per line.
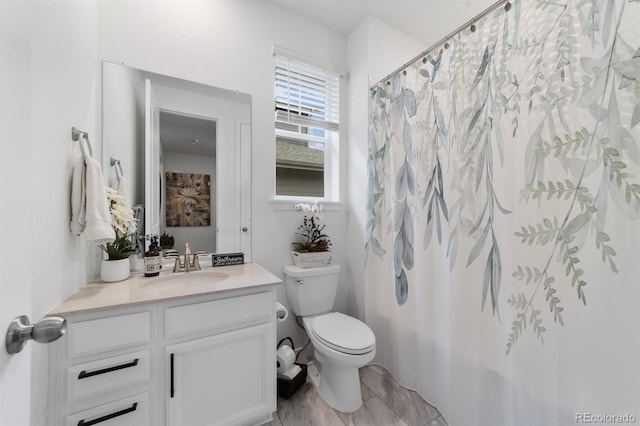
x=187 y=255
x=189 y=264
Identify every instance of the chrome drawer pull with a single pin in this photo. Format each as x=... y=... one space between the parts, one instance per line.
x=109 y=416
x=83 y=374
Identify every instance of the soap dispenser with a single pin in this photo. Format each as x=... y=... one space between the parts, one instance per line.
x=152 y=259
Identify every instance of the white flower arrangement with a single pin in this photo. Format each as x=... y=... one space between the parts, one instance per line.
x=315 y=209
x=313 y=237
x=122 y=218
x=124 y=224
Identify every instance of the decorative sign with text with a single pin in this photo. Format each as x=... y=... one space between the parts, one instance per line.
x=225 y=259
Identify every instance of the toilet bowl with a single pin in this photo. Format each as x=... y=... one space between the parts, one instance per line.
x=338 y=358
x=342 y=344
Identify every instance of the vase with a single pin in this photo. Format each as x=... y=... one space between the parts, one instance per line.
x=114 y=270
x=311 y=259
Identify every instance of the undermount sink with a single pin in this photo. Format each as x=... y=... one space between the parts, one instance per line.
x=184 y=279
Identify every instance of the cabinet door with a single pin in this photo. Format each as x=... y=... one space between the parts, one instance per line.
x=226 y=379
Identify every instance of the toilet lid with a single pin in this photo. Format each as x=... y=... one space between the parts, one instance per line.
x=344 y=333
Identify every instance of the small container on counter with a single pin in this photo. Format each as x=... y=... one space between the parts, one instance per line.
x=152 y=259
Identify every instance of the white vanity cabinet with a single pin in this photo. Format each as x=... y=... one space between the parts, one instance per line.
x=204 y=359
x=220 y=356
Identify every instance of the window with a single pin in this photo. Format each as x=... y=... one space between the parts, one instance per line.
x=307 y=123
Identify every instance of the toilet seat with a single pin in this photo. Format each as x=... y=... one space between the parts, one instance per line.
x=344 y=333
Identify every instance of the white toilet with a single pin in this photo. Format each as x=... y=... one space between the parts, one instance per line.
x=342 y=344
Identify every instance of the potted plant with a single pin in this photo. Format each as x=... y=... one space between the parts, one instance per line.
x=166 y=241
x=116 y=266
x=312 y=249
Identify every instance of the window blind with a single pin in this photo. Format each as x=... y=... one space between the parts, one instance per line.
x=306 y=95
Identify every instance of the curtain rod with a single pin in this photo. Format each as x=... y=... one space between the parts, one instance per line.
x=447 y=37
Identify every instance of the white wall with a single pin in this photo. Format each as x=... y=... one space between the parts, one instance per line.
x=49 y=84
x=229 y=44
x=198 y=237
x=65 y=85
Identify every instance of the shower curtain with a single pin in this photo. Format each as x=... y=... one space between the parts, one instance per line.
x=503 y=249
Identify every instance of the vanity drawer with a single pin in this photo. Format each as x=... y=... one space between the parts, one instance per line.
x=108 y=374
x=206 y=316
x=105 y=334
x=132 y=411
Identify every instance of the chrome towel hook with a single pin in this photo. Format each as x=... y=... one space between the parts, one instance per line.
x=44 y=331
x=79 y=135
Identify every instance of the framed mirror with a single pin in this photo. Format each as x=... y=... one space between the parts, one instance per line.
x=180 y=152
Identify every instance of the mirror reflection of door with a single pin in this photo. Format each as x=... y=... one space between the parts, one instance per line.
x=188 y=170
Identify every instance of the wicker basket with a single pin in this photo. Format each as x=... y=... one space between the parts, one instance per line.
x=286 y=388
x=311 y=259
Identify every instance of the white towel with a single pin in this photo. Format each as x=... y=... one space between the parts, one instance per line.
x=78 y=197
x=90 y=214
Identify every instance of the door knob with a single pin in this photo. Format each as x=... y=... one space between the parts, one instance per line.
x=44 y=331
x=245 y=229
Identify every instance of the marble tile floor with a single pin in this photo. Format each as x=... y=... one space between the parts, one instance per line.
x=385 y=403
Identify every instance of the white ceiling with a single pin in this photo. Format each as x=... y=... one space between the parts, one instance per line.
x=425 y=20
x=179 y=131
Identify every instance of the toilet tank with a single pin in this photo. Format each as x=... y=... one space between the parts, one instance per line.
x=311 y=291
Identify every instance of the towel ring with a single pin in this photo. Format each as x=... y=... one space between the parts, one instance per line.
x=118 y=167
x=79 y=135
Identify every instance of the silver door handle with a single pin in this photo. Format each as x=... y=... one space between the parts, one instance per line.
x=21 y=330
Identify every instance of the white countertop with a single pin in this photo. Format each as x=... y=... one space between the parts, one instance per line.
x=169 y=285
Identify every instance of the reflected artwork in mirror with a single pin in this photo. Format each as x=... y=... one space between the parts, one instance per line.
x=184 y=151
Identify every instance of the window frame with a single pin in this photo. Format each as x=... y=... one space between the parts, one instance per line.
x=330 y=140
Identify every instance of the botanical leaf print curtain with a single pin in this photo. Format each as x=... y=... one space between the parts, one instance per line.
x=504 y=190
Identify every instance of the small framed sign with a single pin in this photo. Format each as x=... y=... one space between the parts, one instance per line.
x=224 y=259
